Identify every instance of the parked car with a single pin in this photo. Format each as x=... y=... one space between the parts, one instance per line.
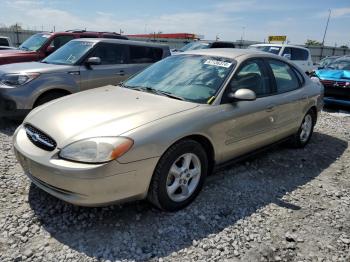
x=5 y=42
x=7 y=48
x=204 y=45
x=297 y=54
x=79 y=65
x=324 y=62
x=336 y=81
x=161 y=133
x=40 y=45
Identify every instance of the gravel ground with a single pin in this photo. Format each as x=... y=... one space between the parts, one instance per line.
x=281 y=205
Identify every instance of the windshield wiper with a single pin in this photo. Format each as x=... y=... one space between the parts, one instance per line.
x=154 y=91
x=24 y=48
x=171 y=95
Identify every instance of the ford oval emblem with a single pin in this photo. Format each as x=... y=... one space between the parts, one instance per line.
x=35 y=137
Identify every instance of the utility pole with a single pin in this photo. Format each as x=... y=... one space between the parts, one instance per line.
x=325 y=32
x=17 y=34
x=242 y=36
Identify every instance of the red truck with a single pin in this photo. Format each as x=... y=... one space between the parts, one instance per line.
x=40 y=45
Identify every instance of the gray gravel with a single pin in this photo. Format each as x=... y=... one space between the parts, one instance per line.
x=282 y=205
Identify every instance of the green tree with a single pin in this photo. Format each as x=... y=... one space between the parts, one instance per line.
x=313 y=42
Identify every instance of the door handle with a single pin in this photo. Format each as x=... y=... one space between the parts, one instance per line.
x=120 y=73
x=270 y=108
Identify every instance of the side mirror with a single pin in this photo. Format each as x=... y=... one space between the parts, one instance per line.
x=93 y=61
x=288 y=56
x=242 y=94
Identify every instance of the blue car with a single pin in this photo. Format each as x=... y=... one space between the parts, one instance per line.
x=336 y=81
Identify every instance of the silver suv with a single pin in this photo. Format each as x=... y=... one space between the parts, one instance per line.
x=77 y=66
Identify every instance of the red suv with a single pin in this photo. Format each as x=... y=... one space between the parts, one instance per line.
x=40 y=45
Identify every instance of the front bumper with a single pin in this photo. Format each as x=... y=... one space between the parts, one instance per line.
x=11 y=104
x=336 y=101
x=83 y=184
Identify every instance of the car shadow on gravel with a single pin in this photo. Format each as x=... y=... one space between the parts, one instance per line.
x=137 y=231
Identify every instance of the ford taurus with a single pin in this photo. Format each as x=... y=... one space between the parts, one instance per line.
x=160 y=133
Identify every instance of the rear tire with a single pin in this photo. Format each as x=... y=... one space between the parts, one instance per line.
x=48 y=97
x=304 y=134
x=179 y=176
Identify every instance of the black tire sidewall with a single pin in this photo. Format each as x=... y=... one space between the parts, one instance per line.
x=164 y=165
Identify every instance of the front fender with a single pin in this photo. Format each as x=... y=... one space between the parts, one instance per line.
x=48 y=82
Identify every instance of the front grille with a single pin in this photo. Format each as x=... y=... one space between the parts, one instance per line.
x=336 y=89
x=39 y=138
x=331 y=83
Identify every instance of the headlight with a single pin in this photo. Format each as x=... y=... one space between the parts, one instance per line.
x=97 y=149
x=13 y=80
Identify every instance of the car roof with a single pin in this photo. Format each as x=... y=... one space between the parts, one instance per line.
x=231 y=53
x=343 y=58
x=119 y=41
x=280 y=45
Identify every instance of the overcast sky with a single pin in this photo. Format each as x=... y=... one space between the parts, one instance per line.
x=230 y=20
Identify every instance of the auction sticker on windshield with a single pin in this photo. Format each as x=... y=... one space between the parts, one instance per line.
x=217 y=63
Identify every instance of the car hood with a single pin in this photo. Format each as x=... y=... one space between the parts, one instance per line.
x=104 y=111
x=333 y=74
x=29 y=67
x=16 y=52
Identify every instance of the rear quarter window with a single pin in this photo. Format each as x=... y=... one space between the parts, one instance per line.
x=145 y=54
x=4 y=42
x=299 y=54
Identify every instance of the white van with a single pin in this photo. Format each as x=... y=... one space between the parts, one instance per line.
x=299 y=55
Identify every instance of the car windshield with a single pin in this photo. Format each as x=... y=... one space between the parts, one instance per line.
x=193 y=78
x=271 y=49
x=194 y=46
x=70 y=53
x=340 y=65
x=326 y=61
x=34 y=43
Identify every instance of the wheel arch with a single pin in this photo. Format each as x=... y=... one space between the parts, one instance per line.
x=51 y=91
x=206 y=144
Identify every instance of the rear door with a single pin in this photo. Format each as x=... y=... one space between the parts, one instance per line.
x=111 y=71
x=142 y=56
x=290 y=97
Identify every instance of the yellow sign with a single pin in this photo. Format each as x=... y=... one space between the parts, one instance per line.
x=277 y=38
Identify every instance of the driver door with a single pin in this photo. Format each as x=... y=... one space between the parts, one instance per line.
x=112 y=70
x=247 y=125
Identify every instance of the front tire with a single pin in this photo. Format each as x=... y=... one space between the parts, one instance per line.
x=303 y=136
x=179 y=176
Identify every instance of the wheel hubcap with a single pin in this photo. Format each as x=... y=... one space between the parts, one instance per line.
x=306 y=128
x=183 y=177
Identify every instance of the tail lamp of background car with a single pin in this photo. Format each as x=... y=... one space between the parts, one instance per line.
x=14 y=80
x=97 y=149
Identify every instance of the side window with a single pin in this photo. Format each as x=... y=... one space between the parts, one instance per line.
x=299 y=54
x=251 y=76
x=88 y=36
x=144 y=54
x=300 y=76
x=287 y=52
x=110 y=53
x=286 y=79
x=4 y=42
x=222 y=45
x=59 y=41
